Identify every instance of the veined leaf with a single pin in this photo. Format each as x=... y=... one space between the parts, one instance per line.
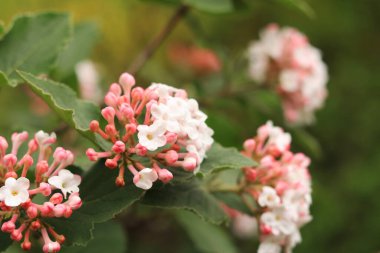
x=221 y=158
x=63 y=100
x=188 y=195
x=32 y=44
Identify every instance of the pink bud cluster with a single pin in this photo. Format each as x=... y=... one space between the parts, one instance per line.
x=20 y=216
x=150 y=130
x=281 y=186
x=284 y=58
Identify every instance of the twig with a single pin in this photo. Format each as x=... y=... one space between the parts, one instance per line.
x=151 y=48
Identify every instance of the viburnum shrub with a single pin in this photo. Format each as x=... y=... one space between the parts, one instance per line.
x=25 y=178
x=280 y=185
x=152 y=146
x=284 y=60
x=159 y=123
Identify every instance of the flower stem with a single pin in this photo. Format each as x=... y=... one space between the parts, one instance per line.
x=151 y=48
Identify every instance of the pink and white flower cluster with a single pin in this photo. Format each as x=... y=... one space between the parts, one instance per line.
x=151 y=129
x=284 y=58
x=281 y=185
x=19 y=214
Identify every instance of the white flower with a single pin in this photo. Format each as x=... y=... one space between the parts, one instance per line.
x=145 y=178
x=152 y=137
x=66 y=181
x=44 y=139
x=276 y=136
x=269 y=247
x=15 y=192
x=289 y=80
x=269 y=197
x=279 y=221
x=88 y=79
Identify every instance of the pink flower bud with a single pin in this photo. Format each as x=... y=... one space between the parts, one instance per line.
x=51 y=247
x=137 y=93
x=131 y=128
x=118 y=147
x=92 y=154
x=190 y=163
x=3 y=144
x=36 y=225
x=74 y=201
x=45 y=189
x=111 y=99
x=165 y=176
x=265 y=230
x=171 y=138
x=26 y=245
x=141 y=150
x=59 y=210
x=60 y=154
x=11 y=174
x=126 y=80
x=115 y=89
x=42 y=167
x=126 y=111
x=32 y=212
x=47 y=209
x=171 y=157
x=33 y=146
x=108 y=114
x=57 y=198
x=94 y=126
x=16 y=235
x=110 y=163
x=249 y=145
x=8 y=227
x=68 y=212
x=250 y=174
x=10 y=160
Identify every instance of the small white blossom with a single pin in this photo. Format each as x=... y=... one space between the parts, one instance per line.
x=145 y=178
x=44 y=139
x=269 y=197
x=66 y=181
x=279 y=221
x=152 y=137
x=269 y=247
x=15 y=192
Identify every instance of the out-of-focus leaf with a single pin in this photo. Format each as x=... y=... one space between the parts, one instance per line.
x=2 y=28
x=32 y=44
x=207 y=237
x=187 y=195
x=102 y=201
x=106 y=235
x=232 y=200
x=221 y=158
x=212 y=6
x=5 y=241
x=79 y=48
x=301 y=5
x=63 y=100
x=308 y=143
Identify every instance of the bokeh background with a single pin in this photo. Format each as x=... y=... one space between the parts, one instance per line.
x=344 y=142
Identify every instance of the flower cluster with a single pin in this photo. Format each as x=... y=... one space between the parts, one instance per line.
x=284 y=58
x=281 y=186
x=19 y=214
x=151 y=129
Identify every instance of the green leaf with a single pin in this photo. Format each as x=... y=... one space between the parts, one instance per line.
x=32 y=45
x=79 y=48
x=221 y=158
x=63 y=100
x=105 y=235
x=212 y=6
x=233 y=200
x=206 y=237
x=2 y=28
x=186 y=194
x=301 y=5
x=102 y=201
x=5 y=241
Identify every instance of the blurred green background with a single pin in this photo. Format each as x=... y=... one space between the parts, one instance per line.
x=344 y=142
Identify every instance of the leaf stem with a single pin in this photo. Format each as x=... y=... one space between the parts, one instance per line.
x=152 y=47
